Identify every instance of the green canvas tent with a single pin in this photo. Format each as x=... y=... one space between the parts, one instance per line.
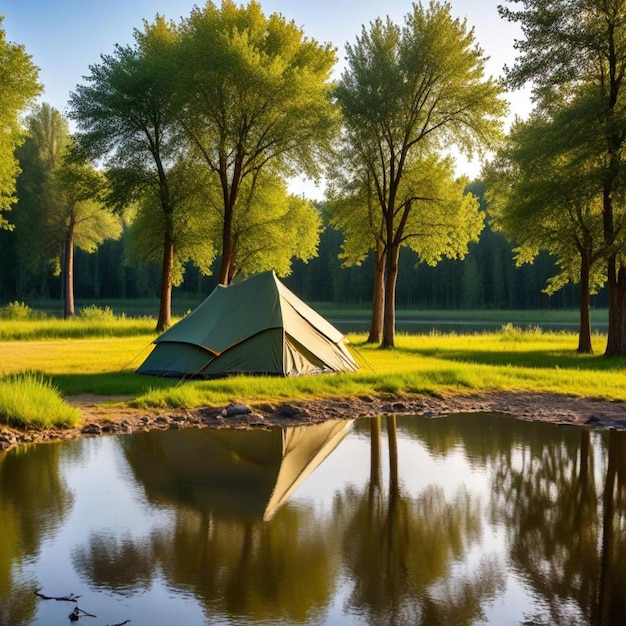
x=257 y=326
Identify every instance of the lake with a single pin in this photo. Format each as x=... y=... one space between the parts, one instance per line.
x=464 y=519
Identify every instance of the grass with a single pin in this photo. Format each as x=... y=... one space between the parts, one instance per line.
x=29 y=399
x=78 y=328
x=507 y=360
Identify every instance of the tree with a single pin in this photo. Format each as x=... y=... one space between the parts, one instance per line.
x=126 y=115
x=78 y=219
x=354 y=211
x=253 y=95
x=66 y=212
x=406 y=93
x=544 y=194
x=18 y=88
x=569 y=44
x=271 y=228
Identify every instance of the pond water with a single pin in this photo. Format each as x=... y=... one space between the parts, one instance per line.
x=467 y=519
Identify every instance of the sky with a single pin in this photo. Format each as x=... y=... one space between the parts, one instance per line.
x=65 y=37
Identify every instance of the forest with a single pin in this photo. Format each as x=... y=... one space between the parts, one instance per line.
x=487 y=278
x=175 y=174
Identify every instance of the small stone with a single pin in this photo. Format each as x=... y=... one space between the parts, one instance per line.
x=233 y=410
x=91 y=429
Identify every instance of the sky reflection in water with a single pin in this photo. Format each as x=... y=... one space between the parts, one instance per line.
x=469 y=519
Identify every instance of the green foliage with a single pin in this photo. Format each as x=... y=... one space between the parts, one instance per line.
x=29 y=400
x=543 y=193
x=18 y=88
x=391 y=186
x=17 y=311
x=262 y=105
x=573 y=53
x=94 y=313
x=272 y=228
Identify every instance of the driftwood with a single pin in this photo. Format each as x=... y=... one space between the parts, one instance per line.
x=69 y=598
x=77 y=612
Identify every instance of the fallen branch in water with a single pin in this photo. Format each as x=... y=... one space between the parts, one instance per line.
x=69 y=598
x=77 y=612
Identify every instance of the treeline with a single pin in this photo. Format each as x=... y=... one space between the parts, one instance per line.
x=487 y=278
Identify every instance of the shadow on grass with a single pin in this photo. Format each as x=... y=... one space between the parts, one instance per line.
x=126 y=383
x=531 y=358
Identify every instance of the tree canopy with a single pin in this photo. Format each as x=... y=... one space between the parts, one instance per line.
x=543 y=194
x=18 y=88
x=199 y=124
x=574 y=45
x=62 y=209
x=260 y=104
x=407 y=93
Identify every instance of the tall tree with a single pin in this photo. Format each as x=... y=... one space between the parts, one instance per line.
x=126 y=115
x=254 y=97
x=566 y=44
x=64 y=209
x=77 y=218
x=18 y=88
x=407 y=92
x=543 y=194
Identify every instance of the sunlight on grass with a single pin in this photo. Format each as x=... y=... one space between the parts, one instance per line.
x=30 y=400
x=506 y=360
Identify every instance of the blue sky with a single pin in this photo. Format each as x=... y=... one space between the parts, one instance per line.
x=64 y=37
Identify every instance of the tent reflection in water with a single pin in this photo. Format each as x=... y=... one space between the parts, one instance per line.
x=257 y=326
x=228 y=472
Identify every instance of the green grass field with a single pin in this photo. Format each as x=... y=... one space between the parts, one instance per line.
x=100 y=358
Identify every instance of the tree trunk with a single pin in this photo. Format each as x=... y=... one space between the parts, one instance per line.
x=616 y=339
x=69 y=275
x=378 y=296
x=584 y=332
x=389 y=322
x=167 y=274
x=227 y=247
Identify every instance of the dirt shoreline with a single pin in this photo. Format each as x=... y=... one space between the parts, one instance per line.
x=104 y=416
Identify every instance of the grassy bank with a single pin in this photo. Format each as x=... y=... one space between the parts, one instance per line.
x=507 y=360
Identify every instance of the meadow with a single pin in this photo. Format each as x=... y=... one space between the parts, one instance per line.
x=99 y=356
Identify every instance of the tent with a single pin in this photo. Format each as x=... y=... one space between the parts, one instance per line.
x=257 y=326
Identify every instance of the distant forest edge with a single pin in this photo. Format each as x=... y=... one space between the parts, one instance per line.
x=487 y=278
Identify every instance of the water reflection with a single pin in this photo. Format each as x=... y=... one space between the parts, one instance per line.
x=231 y=473
x=401 y=549
x=34 y=501
x=460 y=520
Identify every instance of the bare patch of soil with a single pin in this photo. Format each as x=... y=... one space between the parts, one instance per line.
x=111 y=415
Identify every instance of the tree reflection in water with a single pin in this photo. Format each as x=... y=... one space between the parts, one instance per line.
x=34 y=502
x=541 y=520
x=401 y=550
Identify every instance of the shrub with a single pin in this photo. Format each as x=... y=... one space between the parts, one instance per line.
x=93 y=313
x=17 y=311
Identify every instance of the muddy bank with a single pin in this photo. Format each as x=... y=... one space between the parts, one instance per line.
x=100 y=417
